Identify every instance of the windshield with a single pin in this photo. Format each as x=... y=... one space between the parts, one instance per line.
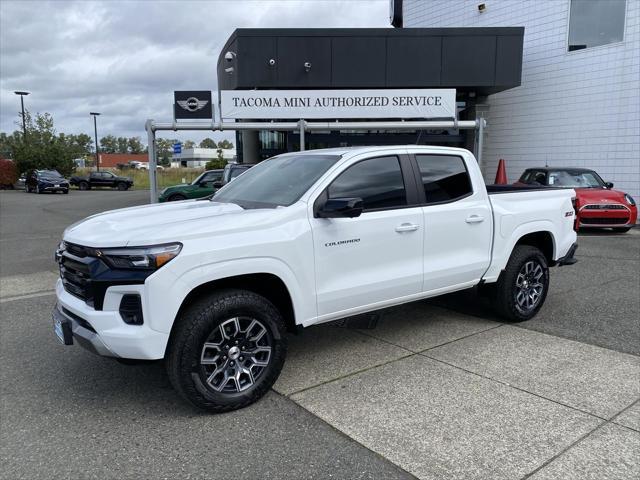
x=278 y=181
x=198 y=178
x=575 y=179
x=51 y=175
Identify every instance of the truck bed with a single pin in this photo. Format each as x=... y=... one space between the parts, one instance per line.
x=495 y=189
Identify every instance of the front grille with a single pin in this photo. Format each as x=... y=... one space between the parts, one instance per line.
x=87 y=277
x=605 y=206
x=603 y=221
x=76 y=278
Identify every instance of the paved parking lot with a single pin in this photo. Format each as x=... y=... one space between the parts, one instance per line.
x=440 y=389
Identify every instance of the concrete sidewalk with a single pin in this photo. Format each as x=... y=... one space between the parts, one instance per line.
x=446 y=395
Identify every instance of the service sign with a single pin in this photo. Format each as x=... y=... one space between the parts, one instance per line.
x=330 y=104
x=192 y=104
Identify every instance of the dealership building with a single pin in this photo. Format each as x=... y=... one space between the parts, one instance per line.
x=557 y=81
x=579 y=99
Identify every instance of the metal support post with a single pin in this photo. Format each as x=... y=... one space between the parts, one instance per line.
x=302 y=125
x=153 y=170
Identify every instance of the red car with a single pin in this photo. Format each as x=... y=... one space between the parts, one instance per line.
x=597 y=204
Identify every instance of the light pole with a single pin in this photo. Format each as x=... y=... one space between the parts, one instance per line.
x=24 y=124
x=95 y=131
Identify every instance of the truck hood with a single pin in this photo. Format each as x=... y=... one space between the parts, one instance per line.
x=164 y=223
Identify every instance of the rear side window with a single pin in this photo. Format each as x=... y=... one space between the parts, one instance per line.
x=444 y=177
x=378 y=181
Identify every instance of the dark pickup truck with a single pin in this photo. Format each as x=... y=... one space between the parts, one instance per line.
x=101 y=179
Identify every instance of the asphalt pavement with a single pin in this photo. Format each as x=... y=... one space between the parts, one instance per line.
x=440 y=389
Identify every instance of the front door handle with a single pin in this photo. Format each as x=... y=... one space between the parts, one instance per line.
x=474 y=219
x=407 y=227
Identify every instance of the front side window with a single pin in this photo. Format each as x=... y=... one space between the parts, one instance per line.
x=595 y=22
x=378 y=181
x=444 y=177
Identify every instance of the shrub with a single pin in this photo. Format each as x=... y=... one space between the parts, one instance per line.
x=8 y=172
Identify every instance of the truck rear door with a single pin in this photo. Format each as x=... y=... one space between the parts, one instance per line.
x=458 y=221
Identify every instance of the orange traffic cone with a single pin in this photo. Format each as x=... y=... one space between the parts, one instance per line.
x=501 y=174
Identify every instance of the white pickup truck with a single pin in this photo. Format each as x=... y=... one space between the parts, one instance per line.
x=213 y=285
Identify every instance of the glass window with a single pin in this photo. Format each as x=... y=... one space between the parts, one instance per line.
x=575 y=179
x=444 y=177
x=377 y=181
x=595 y=22
x=278 y=181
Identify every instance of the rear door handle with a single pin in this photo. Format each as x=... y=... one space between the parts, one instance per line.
x=407 y=227
x=474 y=219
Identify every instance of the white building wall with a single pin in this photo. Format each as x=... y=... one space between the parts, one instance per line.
x=578 y=108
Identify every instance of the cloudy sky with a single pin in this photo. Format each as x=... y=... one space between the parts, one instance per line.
x=125 y=58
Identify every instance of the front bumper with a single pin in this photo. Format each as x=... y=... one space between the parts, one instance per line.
x=61 y=188
x=103 y=332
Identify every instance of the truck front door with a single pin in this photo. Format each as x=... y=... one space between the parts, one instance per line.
x=375 y=257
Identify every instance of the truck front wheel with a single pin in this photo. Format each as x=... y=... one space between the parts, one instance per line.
x=227 y=350
x=83 y=186
x=523 y=285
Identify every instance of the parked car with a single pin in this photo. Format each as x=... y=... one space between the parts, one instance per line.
x=21 y=183
x=598 y=204
x=200 y=187
x=41 y=181
x=102 y=179
x=300 y=239
x=233 y=170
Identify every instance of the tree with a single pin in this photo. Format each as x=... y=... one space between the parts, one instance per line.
x=208 y=143
x=135 y=145
x=188 y=144
x=215 y=164
x=225 y=144
x=43 y=148
x=123 y=145
x=109 y=144
x=164 y=150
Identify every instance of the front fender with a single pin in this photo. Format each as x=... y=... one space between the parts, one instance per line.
x=164 y=308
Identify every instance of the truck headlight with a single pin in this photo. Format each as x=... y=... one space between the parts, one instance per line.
x=629 y=199
x=145 y=258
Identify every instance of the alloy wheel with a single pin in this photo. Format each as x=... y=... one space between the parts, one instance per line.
x=235 y=355
x=529 y=286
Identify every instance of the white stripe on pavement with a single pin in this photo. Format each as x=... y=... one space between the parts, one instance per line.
x=33 y=283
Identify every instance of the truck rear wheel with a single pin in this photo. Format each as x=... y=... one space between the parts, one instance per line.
x=227 y=350
x=523 y=285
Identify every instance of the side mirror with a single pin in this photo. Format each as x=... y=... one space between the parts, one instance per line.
x=217 y=184
x=608 y=184
x=341 y=208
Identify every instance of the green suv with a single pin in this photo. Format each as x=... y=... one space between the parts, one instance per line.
x=204 y=185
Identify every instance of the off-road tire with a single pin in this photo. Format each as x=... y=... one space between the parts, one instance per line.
x=84 y=186
x=194 y=327
x=506 y=289
x=177 y=198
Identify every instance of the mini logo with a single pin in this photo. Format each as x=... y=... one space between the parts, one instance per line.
x=192 y=104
